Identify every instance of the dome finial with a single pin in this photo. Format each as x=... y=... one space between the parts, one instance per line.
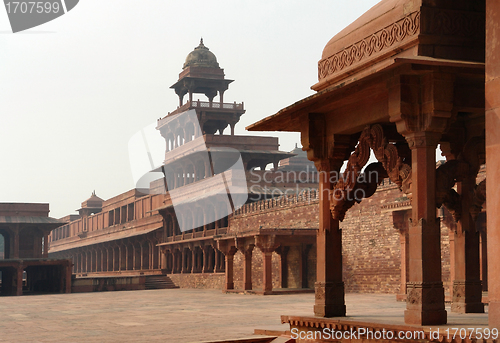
x=201 y=46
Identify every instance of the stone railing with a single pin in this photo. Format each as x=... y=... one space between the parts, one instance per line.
x=199 y=234
x=304 y=198
x=206 y=104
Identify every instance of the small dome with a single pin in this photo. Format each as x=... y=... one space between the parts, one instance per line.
x=201 y=57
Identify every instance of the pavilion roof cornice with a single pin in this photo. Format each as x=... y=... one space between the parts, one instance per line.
x=325 y=101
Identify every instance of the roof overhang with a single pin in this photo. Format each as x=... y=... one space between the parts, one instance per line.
x=348 y=95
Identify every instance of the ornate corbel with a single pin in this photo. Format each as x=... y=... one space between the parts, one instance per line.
x=352 y=187
x=421 y=103
x=464 y=167
x=478 y=199
x=266 y=243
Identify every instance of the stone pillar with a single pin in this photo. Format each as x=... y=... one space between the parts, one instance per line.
x=329 y=293
x=221 y=97
x=267 y=271
x=19 y=279
x=217 y=262
x=194 y=260
x=67 y=276
x=284 y=266
x=164 y=260
x=400 y=222
x=207 y=260
x=229 y=270
x=484 y=256
x=425 y=299
x=174 y=262
x=421 y=107
x=15 y=250
x=493 y=157
x=247 y=268
x=46 y=245
x=304 y=268
x=183 y=261
x=267 y=244
x=467 y=289
x=208 y=171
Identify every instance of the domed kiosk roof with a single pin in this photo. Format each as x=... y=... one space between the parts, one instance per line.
x=201 y=56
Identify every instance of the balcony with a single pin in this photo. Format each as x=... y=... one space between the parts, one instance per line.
x=202 y=105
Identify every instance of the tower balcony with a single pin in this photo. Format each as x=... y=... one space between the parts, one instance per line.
x=206 y=105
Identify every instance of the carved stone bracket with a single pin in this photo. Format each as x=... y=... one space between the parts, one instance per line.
x=465 y=167
x=478 y=199
x=327 y=152
x=354 y=186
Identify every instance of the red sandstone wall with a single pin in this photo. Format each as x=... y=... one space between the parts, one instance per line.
x=198 y=280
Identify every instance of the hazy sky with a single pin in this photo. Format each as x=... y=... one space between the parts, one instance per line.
x=73 y=91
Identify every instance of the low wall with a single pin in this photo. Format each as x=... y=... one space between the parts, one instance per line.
x=199 y=280
x=99 y=284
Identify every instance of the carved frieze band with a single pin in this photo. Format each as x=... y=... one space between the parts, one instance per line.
x=380 y=40
x=456 y=23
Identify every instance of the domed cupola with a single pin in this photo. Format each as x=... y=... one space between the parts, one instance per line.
x=201 y=56
x=201 y=74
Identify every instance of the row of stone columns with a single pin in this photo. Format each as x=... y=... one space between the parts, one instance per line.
x=422 y=128
x=192 y=259
x=467 y=268
x=54 y=275
x=177 y=135
x=114 y=256
x=266 y=244
x=187 y=172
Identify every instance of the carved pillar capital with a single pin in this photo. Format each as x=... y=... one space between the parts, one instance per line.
x=327 y=151
x=421 y=103
x=266 y=243
x=226 y=247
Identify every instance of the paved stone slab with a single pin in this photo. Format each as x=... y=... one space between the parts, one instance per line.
x=170 y=315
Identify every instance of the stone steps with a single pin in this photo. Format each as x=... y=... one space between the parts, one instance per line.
x=159 y=282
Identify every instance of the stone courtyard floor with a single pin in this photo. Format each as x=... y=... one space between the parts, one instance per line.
x=169 y=315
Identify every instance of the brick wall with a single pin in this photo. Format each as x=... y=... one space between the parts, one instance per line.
x=371 y=245
x=256 y=270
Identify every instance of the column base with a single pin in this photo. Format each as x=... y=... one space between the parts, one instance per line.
x=329 y=299
x=467 y=297
x=426 y=317
x=425 y=304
